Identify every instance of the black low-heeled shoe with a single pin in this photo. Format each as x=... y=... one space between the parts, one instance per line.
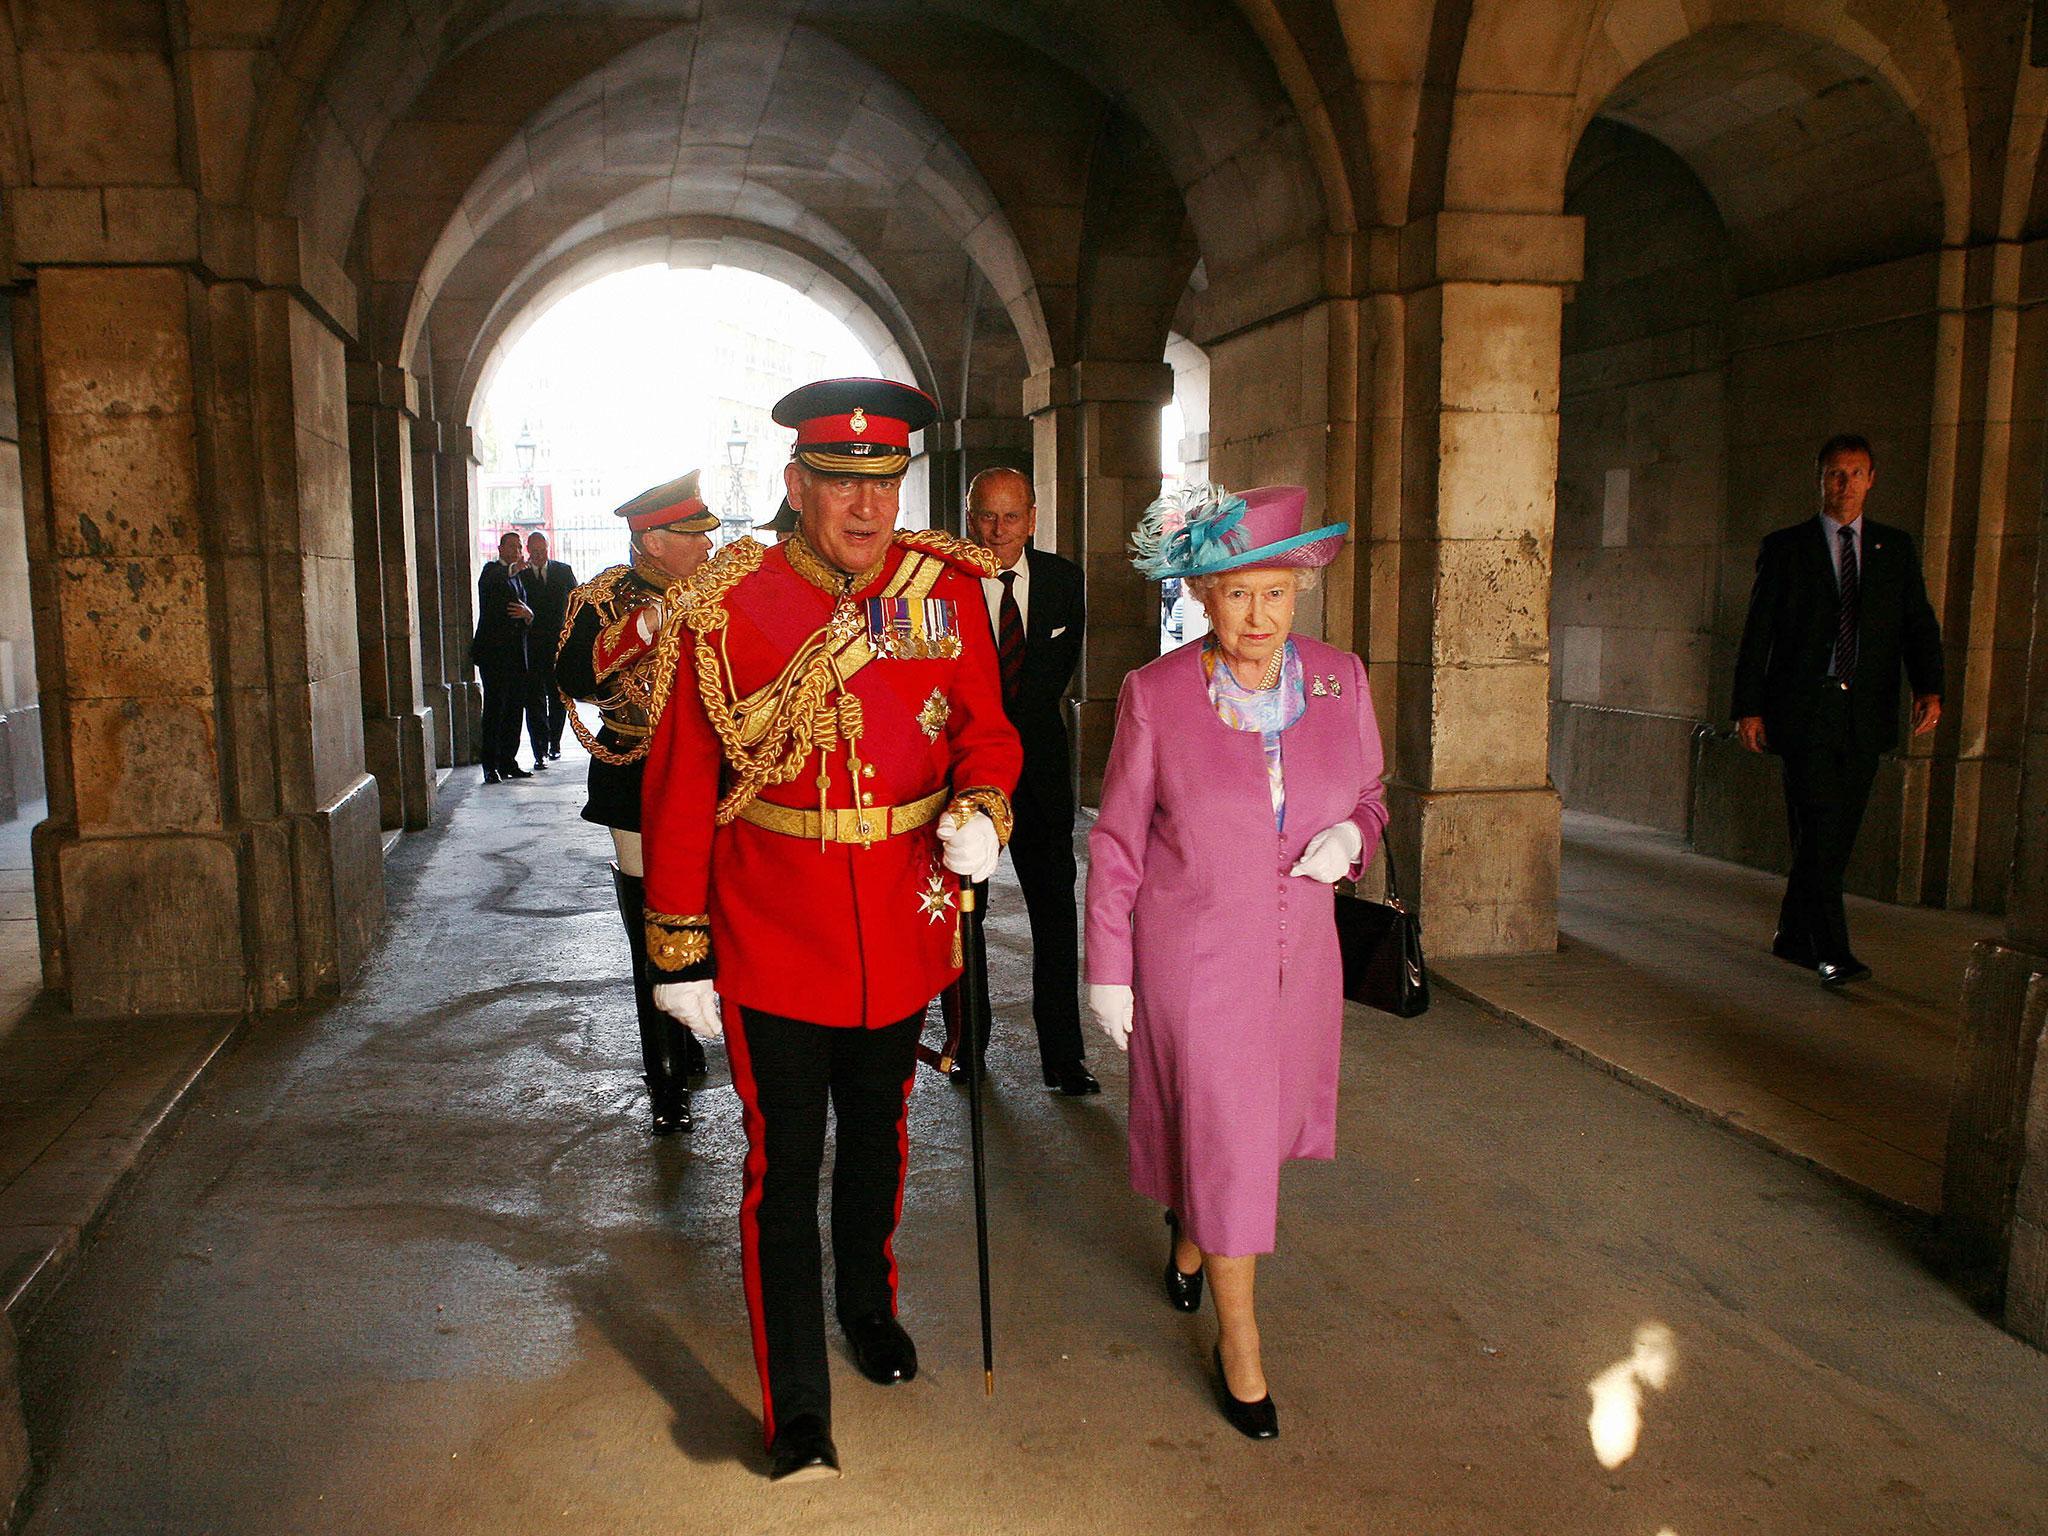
x=803 y=1450
x=1255 y=1421
x=1183 y=1291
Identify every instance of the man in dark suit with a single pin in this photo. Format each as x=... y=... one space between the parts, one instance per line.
x=1036 y=607
x=547 y=584
x=499 y=651
x=1838 y=607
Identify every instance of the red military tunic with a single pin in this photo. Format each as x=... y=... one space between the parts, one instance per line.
x=771 y=678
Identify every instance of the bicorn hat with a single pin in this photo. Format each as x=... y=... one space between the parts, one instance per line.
x=855 y=426
x=672 y=504
x=1198 y=530
x=784 y=520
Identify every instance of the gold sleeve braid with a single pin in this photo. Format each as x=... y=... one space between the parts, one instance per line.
x=991 y=802
x=676 y=943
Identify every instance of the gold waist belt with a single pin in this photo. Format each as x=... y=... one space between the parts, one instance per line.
x=867 y=824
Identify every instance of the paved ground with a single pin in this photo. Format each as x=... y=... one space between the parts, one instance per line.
x=1664 y=975
x=410 y=1266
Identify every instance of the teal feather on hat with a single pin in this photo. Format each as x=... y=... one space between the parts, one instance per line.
x=1186 y=529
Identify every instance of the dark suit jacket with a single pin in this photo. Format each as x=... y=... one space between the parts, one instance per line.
x=1057 y=603
x=500 y=639
x=548 y=597
x=1789 y=637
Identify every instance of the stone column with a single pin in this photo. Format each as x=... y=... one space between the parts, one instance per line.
x=1095 y=461
x=1995 y=1176
x=397 y=729
x=436 y=671
x=455 y=476
x=1474 y=430
x=212 y=843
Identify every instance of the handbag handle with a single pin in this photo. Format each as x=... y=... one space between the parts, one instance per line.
x=1393 y=876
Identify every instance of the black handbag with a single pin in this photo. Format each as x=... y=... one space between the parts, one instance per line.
x=1381 y=942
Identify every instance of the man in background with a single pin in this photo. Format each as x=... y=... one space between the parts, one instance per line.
x=499 y=651
x=547 y=584
x=1037 y=609
x=1838 y=608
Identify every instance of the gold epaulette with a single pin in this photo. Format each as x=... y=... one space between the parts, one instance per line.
x=952 y=549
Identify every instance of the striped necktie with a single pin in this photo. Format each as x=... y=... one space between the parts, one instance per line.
x=1845 y=628
x=1010 y=639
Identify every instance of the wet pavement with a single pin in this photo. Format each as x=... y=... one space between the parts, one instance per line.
x=410 y=1265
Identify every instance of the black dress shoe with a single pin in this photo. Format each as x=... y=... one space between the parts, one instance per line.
x=540 y=764
x=1183 y=1292
x=1255 y=1421
x=1791 y=947
x=802 y=1451
x=490 y=775
x=1073 y=1079
x=670 y=1113
x=514 y=771
x=1839 y=973
x=882 y=1350
x=554 y=754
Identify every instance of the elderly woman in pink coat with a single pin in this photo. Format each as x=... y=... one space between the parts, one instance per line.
x=1243 y=782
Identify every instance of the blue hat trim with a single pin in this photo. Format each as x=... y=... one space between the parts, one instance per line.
x=1251 y=557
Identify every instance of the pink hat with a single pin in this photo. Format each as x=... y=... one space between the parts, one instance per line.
x=1197 y=530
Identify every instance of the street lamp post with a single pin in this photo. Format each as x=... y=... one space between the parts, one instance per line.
x=527 y=511
x=735 y=520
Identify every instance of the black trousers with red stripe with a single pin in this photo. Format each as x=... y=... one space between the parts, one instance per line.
x=787 y=1072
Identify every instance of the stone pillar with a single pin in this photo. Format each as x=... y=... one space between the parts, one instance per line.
x=1474 y=430
x=398 y=740
x=1095 y=462
x=455 y=501
x=960 y=450
x=438 y=667
x=1995 y=1176
x=211 y=843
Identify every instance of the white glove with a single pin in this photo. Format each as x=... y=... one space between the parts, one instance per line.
x=693 y=1004
x=1113 y=1007
x=648 y=621
x=1330 y=853
x=971 y=848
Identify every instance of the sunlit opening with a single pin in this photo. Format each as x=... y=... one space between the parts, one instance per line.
x=635 y=379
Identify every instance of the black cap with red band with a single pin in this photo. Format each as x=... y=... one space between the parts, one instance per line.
x=855 y=426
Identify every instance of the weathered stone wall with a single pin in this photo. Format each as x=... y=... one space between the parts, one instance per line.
x=1640 y=487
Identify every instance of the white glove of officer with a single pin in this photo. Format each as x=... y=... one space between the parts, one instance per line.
x=1113 y=1007
x=1330 y=853
x=970 y=849
x=647 y=619
x=693 y=1004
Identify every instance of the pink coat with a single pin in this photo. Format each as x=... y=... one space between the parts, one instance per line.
x=1240 y=1006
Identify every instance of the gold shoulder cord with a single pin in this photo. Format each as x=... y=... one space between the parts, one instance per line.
x=947 y=546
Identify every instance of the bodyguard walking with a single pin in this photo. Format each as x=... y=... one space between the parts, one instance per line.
x=499 y=651
x=1839 y=607
x=547 y=584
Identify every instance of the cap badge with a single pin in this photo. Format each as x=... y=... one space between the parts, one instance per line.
x=858 y=421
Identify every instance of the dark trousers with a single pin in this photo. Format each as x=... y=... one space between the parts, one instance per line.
x=1042 y=849
x=1827 y=786
x=546 y=714
x=504 y=705
x=786 y=1072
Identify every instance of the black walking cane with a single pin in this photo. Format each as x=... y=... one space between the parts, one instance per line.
x=974 y=1031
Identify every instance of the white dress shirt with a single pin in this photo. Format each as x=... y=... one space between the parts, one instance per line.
x=992 y=589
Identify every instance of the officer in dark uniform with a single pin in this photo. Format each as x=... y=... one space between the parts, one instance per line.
x=610 y=629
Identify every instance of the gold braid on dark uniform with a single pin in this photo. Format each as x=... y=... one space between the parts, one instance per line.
x=633 y=686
